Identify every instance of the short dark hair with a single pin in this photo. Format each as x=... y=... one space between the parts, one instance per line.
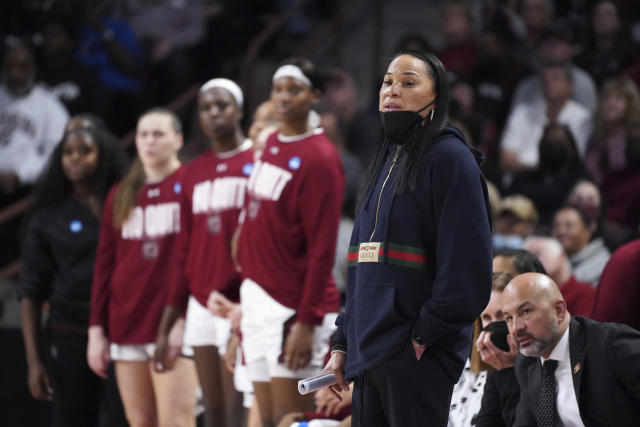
x=523 y=260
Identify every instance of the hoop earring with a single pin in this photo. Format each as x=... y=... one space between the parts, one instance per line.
x=432 y=114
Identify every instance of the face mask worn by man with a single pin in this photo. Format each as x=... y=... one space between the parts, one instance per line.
x=399 y=125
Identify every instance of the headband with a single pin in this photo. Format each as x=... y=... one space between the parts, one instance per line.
x=293 y=71
x=227 y=85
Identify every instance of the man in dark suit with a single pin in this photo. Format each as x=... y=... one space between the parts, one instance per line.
x=571 y=371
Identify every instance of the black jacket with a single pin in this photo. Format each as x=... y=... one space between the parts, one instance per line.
x=499 y=399
x=57 y=261
x=433 y=275
x=606 y=375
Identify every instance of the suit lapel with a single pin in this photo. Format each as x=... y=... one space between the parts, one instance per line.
x=577 y=353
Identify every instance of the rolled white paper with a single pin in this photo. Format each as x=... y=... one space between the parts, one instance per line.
x=312 y=384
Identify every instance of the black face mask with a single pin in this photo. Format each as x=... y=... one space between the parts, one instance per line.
x=399 y=125
x=553 y=156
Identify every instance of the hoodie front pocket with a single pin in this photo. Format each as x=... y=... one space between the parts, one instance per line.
x=374 y=314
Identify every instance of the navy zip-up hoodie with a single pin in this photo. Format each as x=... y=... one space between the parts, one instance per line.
x=433 y=275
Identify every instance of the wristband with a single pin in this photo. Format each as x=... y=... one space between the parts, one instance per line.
x=339 y=348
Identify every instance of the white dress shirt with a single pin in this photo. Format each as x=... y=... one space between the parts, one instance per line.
x=566 y=401
x=526 y=122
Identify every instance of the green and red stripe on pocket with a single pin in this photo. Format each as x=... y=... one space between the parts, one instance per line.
x=406 y=256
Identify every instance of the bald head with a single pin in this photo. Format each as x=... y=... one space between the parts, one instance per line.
x=535 y=286
x=536 y=313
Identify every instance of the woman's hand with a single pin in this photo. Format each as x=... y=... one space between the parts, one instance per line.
x=38 y=381
x=168 y=347
x=298 y=346
x=175 y=339
x=232 y=351
x=160 y=362
x=492 y=355
x=335 y=365
x=219 y=305
x=329 y=404
x=98 y=351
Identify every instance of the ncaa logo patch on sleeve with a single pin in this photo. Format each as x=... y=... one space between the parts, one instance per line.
x=75 y=226
x=294 y=163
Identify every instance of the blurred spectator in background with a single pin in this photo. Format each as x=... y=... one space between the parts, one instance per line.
x=535 y=17
x=32 y=122
x=587 y=194
x=478 y=128
x=557 y=45
x=577 y=229
x=500 y=17
x=613 y=158
x=578 y=295
x=618 y=294
x=527 y=120
x=558 y=171
x=75 y=84
x=108 y=46
x=459 y=52
x=516 y=219
x=357 y=127
x=496 y=75
x=618 y=114
x=622 y=195
x=493 y=81
x=609 y=48
x=170 y=33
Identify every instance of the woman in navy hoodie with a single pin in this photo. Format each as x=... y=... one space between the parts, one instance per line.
x=419 y=259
